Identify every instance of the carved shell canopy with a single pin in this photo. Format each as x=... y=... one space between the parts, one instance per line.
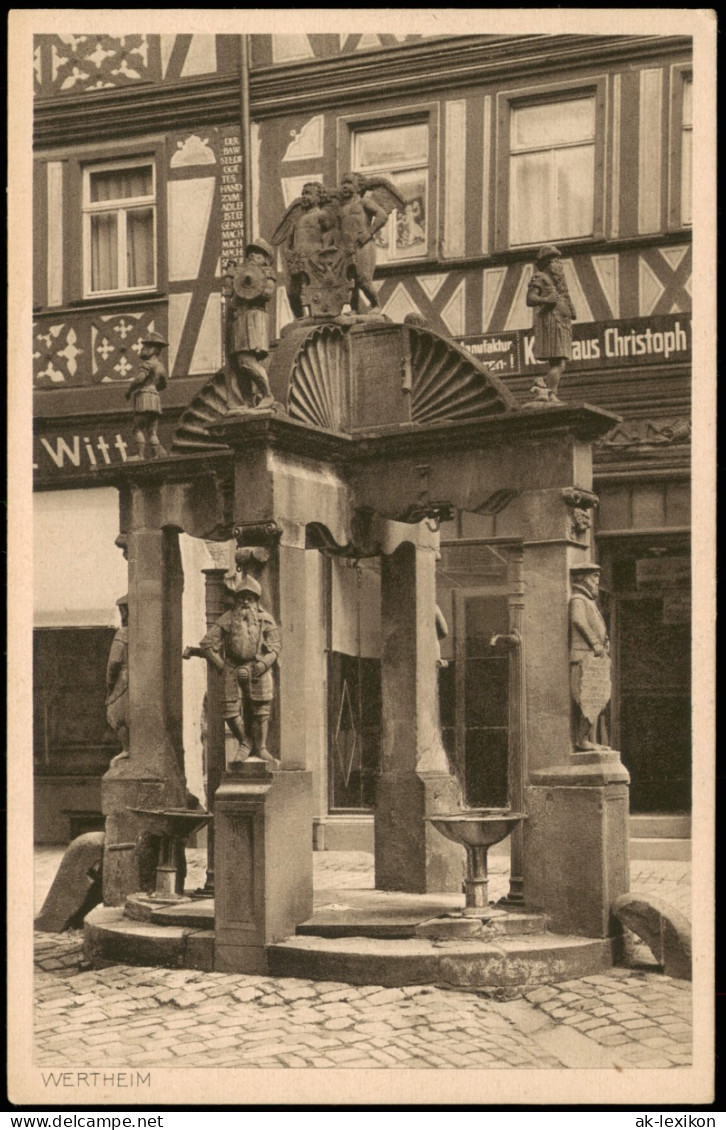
x=208 y=407
x=344 y=378
x=449 y=384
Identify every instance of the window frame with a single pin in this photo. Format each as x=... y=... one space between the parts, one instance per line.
x=680 y=74
x=90 y=208
x=350 y=125
x=509 y=100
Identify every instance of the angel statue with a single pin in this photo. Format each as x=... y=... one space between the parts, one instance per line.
x=327 y=237
x=365 y=205
x=303 y=232
x=318 y=278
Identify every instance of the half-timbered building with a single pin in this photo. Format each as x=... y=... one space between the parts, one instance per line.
x=157 y=154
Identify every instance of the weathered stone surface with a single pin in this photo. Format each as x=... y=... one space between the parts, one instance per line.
x=576 y=853
x=109 y=937
x=76 y=888
x=664 y=930
x=463 y=963
x=263 y=870
x=415 y=781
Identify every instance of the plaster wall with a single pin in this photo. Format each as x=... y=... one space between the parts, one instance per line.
x=78 y=572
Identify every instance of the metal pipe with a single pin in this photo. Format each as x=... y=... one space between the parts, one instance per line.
x=245 y=135
x=517 y=729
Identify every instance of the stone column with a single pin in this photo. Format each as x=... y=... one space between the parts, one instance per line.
x=153 y=774
x=415 y=781
x=576 y=832
x=215 y=606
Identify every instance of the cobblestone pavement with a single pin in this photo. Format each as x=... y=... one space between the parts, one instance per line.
x=129 y=1016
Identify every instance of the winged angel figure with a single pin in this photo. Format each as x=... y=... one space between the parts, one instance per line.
x=327 y=239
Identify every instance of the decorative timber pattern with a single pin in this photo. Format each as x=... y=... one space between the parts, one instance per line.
x=91 y=348
x=281 y=49
x=74 y=64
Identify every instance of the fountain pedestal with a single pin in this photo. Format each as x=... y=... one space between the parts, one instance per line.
x=477 y=829
x=576 y=842
x=263 y=875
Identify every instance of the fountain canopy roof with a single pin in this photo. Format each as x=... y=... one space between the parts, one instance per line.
x=353 y=376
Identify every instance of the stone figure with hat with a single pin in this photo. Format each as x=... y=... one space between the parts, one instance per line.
x=117 y=682
x=248 y=289
x=589 y=657
x=547 y=293
x=245 y=644
x=144 y=391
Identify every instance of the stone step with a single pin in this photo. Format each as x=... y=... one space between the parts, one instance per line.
x=660 y=826
x=397 y=922
x=535 y=959
x=198 y=914
x=674 y=849
x=110 y=938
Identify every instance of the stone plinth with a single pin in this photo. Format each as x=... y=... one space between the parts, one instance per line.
x=264 y=864
x=576 y=842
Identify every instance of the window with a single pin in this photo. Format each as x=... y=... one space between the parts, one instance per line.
x=119 y=227
x=400 y=153
x=71 y=736
x=552 y=166
x=680 y=147
x=687 y=151
x=354 y=732
x=550 y=145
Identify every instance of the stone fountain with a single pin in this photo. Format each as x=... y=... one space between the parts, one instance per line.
x=377 y=433
x=477 y=829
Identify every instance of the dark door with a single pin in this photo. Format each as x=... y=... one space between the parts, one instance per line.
x=655 y=703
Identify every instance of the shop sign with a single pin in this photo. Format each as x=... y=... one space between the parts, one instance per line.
x=501 y=352
x=595 y=345
x=677 y=607
x=663 y=572
x=73 y=454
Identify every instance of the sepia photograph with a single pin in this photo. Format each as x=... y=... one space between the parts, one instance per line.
x=361 y=632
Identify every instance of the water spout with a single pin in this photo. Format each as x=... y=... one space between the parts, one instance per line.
x=508 y=639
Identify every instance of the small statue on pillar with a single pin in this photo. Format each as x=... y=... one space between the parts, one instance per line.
x=249 y=288
x=589 y=658
x=245 y=644
x=144 y=389
x=553 y=314
x=117 y=682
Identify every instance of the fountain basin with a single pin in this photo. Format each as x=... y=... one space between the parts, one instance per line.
x=173 y=826
x=179 y=823
x=477 y=827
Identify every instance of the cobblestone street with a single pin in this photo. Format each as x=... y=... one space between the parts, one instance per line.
x=130 y=1016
